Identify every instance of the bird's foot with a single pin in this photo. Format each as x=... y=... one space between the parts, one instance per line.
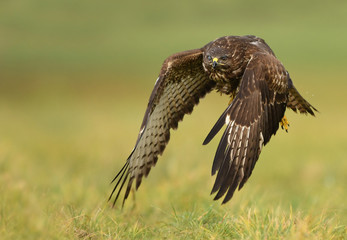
x=284 y=123
x=231 y=99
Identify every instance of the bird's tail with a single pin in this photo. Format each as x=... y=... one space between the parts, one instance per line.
x=297 y=102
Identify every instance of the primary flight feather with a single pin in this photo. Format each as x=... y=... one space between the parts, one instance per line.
x=246 y=69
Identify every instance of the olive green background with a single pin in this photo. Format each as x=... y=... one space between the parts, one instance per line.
x=75 y=77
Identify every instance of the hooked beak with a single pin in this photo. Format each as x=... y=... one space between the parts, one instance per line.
x=214 y=62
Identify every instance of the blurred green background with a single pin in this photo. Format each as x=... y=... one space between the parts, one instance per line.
x=75 y=77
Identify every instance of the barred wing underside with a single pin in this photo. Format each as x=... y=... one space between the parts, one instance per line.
x=181 y=83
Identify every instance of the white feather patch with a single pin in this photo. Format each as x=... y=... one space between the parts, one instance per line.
x=255 y=43
x=141 y=131
x=227 y=119
x=261 y=141
x=156 y=81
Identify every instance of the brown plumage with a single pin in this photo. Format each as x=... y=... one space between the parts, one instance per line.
x=244 y=68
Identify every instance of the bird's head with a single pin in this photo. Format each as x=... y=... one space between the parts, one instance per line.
x=224 y=59
x=218 y=63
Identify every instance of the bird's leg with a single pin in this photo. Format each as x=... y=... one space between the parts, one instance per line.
x=231 y=99
x=284 y=123
x=232 y=96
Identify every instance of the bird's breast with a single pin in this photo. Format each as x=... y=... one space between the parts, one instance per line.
x=227 y=87
x=226 y=82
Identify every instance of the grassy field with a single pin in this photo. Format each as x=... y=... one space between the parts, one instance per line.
x=71 y=107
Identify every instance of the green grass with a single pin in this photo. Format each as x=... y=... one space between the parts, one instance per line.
x=60 y=148
x=71 y=105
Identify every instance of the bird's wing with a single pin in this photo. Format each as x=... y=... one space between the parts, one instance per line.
x=251 y=119
x=181 y=83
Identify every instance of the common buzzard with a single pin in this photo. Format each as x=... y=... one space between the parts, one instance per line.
x=243 y=67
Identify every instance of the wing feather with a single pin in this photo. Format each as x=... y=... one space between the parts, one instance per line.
x=220 y=153
x=253 y=117
x=218 y=125
x=182 y=82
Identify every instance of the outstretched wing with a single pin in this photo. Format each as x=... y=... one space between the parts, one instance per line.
x=181 y=83
x=251 y=119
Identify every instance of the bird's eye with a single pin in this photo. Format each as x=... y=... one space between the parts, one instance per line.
x=224 y=57
x=209 y=57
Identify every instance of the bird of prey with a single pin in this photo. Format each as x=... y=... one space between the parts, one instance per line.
x=243 y=67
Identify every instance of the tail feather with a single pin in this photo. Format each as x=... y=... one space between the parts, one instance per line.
x=297 y=103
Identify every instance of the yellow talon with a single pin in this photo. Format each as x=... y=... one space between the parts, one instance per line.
x=232 y=96
x=231 y=99
x=284 y=123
